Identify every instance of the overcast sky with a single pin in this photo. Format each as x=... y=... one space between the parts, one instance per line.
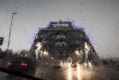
x=100 y=17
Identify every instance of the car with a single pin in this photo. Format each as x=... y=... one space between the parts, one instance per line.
x=21 y=64
x=56 y=64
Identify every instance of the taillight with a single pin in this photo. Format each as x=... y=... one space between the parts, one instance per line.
x=24 y=64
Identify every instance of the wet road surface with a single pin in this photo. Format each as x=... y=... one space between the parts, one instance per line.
x=63 y=73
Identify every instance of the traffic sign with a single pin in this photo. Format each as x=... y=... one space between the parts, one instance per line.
x=1 y=40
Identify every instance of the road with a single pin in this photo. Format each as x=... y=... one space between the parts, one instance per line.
x=3 y=76
x=64 y=73
x=46 y=72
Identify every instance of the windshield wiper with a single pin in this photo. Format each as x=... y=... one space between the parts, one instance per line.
x=19 y=74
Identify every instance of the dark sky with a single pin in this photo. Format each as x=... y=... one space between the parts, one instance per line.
x=100 y=17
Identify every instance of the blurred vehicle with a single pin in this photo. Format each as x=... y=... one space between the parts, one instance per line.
x=21 y=64
x=74 y=64
x=56 y=64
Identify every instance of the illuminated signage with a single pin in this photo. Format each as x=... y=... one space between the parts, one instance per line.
x=61 y=24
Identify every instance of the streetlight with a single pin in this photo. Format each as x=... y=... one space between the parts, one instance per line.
x=9 y=37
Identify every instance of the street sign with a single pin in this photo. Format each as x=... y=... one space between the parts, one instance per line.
x=61 y=24
x=1 y=40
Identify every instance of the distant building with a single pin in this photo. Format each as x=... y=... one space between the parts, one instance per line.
x=63 y=40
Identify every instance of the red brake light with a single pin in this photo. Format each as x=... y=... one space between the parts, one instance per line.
x=24 y=64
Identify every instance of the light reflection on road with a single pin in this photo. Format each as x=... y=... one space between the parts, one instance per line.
x=72 y=73
x=78 y=69
x=68 y=71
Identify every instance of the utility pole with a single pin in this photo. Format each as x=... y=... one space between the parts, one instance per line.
x=10 y=31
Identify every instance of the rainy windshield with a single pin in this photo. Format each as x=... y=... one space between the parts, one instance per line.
x=59 y=40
